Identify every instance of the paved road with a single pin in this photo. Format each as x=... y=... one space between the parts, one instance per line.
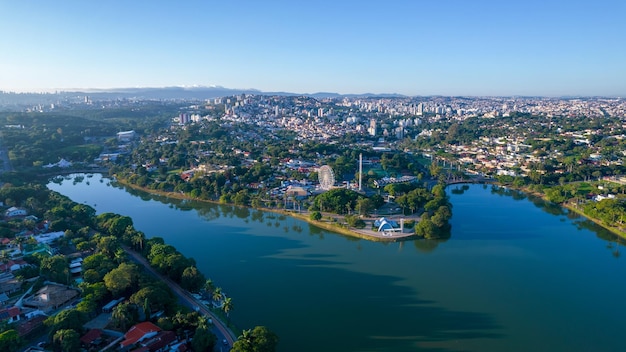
x=219 y=328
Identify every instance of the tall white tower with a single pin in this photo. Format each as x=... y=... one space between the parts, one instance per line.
x=360 y=171
x=420 y=109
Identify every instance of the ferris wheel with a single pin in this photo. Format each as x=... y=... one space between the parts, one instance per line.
x=326 y=177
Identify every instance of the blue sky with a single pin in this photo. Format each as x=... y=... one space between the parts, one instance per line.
x=413 y=47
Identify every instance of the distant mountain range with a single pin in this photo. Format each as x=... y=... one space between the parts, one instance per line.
x=164 y=93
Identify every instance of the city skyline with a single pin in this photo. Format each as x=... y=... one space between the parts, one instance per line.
x=484 y=48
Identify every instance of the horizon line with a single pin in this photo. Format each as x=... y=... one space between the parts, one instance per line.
x=192 y=87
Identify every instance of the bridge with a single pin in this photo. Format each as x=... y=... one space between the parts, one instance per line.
x=478 y=179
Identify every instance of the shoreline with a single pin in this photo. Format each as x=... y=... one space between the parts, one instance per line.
x=362 y=233
x=614 y=230
x=352 y=232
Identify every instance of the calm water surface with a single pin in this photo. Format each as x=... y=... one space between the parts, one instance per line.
x=516 y=275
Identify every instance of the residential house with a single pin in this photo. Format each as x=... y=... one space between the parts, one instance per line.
x=13 y=212
x=30 y=327
x=8 y=283
x=138 y=333
x=158 y=342
x=51 y=297
x=12 y=265
x=10 y=315
x=92 y=338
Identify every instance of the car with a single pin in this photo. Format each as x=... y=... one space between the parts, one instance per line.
x=225 y=342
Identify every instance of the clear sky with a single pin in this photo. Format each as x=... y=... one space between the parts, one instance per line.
x=412 y=47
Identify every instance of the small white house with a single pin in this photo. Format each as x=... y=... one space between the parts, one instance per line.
x=49 y=237
x=62 y=164
x=13 y=211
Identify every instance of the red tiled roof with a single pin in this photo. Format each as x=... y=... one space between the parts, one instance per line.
x=138 y=331
x=5 y=267
x=159 y=341
x=27 y=327
x=9 y=313
x=90 y=336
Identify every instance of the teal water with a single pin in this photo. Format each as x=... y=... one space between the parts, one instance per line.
x=516 y=275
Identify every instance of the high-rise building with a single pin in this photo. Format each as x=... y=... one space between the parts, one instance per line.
x=372 y=129
x=420 y=109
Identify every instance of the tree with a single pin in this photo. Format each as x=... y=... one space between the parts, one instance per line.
x=19 y=241
x=119 y=225
x=83 y=213
x=259 y=339
x=174 y=265
x=228 y=305
x=120 y=255
x=192 y=279
x=10 y=341
x=122 y=278
x=203 y=340
x=425 y=228
x=55 y=269
x=364 y=206
x=208 y=286
x=67 y=340
x=138 y=239
x=98 y=290
x=316 y=216
x=217 y=294
x=98 y=262
x=378 y=200
x=108 y=245
x=91 y=276
x=158 y=296
x=241 y=198
x=337 y=200
x=87 y=306
x=124 y=315
x=355 y=221
x=70 y=319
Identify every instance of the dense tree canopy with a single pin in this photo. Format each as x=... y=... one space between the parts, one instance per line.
x=122 y=279
x=259 y=339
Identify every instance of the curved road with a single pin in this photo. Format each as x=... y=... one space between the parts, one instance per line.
x=219 y=328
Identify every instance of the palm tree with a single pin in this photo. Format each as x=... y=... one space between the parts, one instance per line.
x=138 y=240
x=203 y=322
x=217 y=294
x=32 y=203
x=20 y=240
x=208 y=286
x=120 y=255
x=227 y=306
x=246 y=337
x=123 y=315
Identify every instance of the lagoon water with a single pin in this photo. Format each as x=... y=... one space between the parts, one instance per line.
x=516 y=275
